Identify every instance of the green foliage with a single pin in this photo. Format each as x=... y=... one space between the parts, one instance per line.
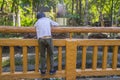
x=74 y=8
x=11 y=35
x=26 y=21
x=6 y=63
x=73 y=16
x=18 y=61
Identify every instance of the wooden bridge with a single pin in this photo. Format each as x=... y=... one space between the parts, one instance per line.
x=71 y=71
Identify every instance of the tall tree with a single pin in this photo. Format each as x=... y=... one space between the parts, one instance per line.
x=2 y=6
x=86 y=13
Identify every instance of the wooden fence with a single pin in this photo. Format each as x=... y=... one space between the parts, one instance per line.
x=71 y=71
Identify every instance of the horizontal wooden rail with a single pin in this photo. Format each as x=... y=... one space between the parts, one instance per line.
x=11 y=29
x=99 y=42
x=27 y=42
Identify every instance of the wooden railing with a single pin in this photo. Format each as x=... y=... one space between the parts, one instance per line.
x=24 y=43
x=70 y=72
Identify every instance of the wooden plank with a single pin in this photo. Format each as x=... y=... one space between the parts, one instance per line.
x=0 y=60
x=94 y=58
x=98 y=42
x=70 y=36
x=59 y=42
x=28 y=42
x=32 y=74
x=104 y=57
x=115 y=57
x=86 y=29
x=84 y=58
x=71 y=54
x=11 y=29
x=12 y=60
x=36 y=59
x=98 y=72
x=18 y=42
x=48 y=62
x=25 y=59
x=60 y=59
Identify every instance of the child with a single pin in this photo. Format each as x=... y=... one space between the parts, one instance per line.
x=43 y=29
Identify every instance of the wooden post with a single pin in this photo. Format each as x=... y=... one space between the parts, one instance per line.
x=25 y=61
x=115 y=57
x=60 y=58
x=12 y=60
x=36 y=59
x=71 y=51
x=48 y=62
x=0 y=60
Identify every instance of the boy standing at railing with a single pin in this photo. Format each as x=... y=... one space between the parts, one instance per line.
x=43 y=30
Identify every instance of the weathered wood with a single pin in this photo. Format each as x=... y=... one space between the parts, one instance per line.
x=98 y=42
x=37 y=59
x=84 y=50
x=11 y=29
x=104 y=57
x=25 y=59
x=31 y=74
x=115 y=57
x=60 y=58
x=71 y=53
x=12 y=60
x=0 y=60
x=48 y=62
x=94 y=58
x=27 y=42
x=98 y=72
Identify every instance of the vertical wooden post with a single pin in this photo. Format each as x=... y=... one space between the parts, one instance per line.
x=12 y=60
x=0 y=60
x=60 y=59
x=71 y=51
x=36 y=59
x=70 y=35
x=115 y=57
x=25 y=59
x=48 y=62
x=104 y=58
x=94 y=59
x=84 y=58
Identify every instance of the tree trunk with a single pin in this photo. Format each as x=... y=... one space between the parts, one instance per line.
x=80 y=10
x=13 y=19
x=72 y=6
x=112 y=13
x=18 y=19
x=2 y=6
x=117 y=16
x=77 y=7
x=86 y=13
x=101 y=19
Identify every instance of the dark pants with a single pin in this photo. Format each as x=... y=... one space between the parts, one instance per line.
x=43 y=45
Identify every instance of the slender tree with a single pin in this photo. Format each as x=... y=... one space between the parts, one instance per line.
x=86 y=13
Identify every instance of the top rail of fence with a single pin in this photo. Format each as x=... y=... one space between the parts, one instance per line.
x=79 y=29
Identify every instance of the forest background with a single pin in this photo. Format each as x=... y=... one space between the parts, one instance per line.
x=77 y=12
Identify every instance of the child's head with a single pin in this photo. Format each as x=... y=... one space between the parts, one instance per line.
x=40 y=15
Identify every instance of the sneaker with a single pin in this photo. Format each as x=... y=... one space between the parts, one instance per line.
x=52 y=71
x=42 y=72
